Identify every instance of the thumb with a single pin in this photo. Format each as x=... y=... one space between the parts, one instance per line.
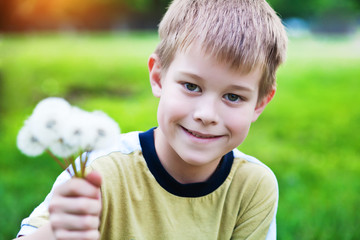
x=94 y=178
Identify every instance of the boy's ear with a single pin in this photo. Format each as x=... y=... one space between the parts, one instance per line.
x=155 y=74
x=262 y=104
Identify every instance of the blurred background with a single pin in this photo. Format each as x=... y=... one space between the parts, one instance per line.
x=94 y=54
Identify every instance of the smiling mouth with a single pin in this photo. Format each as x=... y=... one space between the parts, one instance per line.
x=200 y=135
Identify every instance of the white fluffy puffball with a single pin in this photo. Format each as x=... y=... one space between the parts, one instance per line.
x=65 y=130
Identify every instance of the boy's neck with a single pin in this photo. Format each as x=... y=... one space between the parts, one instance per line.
x=180 y=170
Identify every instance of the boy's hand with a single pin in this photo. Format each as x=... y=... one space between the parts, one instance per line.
x=75 y=209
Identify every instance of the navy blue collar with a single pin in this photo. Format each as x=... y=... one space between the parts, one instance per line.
x=169 y=183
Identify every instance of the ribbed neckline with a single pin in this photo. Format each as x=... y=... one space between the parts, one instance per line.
x=169 y=183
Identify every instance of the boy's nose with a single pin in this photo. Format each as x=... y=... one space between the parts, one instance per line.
x=206 y=113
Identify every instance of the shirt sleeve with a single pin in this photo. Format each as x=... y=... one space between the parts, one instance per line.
x=256 y=219
x=40 y=214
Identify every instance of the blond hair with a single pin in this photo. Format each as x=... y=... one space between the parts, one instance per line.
x=243 y=33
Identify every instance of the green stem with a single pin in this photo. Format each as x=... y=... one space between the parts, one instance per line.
x=82 y=167
x=84 y=163
x=56 y=159
x=81 y=164
x=73 y=165
x=67 y=163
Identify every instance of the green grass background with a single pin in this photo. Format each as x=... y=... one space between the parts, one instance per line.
x=308 y=135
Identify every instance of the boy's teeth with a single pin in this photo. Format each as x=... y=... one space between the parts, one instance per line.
x=200 y=136
x=196 y=135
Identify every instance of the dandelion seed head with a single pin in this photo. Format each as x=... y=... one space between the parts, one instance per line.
x=106 y=130
x=76 y=127
x=28 y=143
x=65 y=130
x=61 y=149
x=47 y=120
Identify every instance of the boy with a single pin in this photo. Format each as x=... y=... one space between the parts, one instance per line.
x=214 y=72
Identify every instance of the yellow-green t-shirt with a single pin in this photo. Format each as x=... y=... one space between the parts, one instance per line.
x=140 y=200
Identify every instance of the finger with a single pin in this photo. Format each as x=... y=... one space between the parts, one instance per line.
x=76 y=235
x=74 y=222
x=94 y=178
x=77 y=187
x=78 y=206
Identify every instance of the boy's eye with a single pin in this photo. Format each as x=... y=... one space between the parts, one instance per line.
x=192 y=87
x=232 y=97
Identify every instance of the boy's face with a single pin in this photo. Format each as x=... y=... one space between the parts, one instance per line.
x=205 y=109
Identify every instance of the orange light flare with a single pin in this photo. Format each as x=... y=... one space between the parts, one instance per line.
x=55 y=14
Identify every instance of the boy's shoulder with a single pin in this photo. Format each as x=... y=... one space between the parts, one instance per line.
x=255 y=181
x=256 y=187
x=248 y=169
x=251 y=164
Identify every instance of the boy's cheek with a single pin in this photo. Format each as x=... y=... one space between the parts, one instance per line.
x=172 y=108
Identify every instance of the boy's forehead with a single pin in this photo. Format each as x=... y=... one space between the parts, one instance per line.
x=195 y=61
x=200 y=52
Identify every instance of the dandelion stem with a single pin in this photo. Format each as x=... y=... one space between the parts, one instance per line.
x=67 y=168
x=73 y=165
x=56 y=159
x=84 y=162
x=81 y=164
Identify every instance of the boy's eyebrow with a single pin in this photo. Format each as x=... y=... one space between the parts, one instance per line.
x=234 y=86
x=243 y=88
x=192 y=75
